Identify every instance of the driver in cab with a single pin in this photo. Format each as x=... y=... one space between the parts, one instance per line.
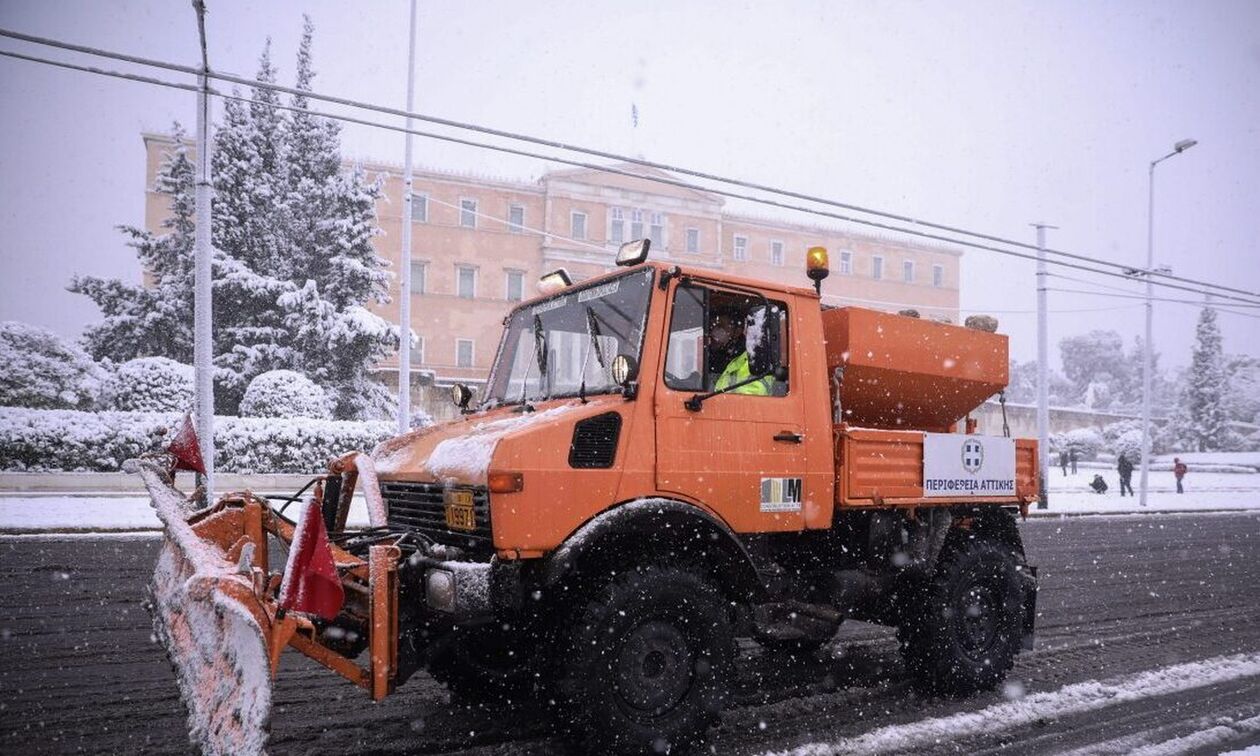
x=730 y=343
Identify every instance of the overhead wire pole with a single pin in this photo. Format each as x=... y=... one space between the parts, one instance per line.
x=1148 y=359
x=1043 y=359
x=404 y=278
x=203 y=271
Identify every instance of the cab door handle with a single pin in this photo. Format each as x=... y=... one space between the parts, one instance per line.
x=788 y=437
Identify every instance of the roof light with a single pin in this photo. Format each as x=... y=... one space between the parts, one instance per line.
x=554 y=281
x=633 y=252
x=817 y=266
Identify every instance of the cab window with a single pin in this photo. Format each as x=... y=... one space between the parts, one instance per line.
x=708 y=342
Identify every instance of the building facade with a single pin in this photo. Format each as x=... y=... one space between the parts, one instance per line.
x=479 y=245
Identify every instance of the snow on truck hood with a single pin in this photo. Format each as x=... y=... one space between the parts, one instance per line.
x=460 y=451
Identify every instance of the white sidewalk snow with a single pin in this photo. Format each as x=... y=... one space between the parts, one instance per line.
x=1204 y=490
x=52 y=512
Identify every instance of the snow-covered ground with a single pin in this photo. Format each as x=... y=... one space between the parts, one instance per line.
x=1204 y=490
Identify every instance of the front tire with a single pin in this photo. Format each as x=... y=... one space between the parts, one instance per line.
x=646 y=663
x=964 y=636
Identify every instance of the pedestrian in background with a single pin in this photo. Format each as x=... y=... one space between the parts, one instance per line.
x=1072 y=457
x=1063 y=461
x=1098 y=484
x=1125 y=468
x=1179 y=472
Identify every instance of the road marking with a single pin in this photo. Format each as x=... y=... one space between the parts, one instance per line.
x=1078 y=698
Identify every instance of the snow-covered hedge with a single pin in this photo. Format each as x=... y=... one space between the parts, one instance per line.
x=284 y=393
x=39 y=440
x=44 y=371
x=151 y=384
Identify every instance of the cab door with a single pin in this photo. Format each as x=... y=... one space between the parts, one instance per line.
x=741 y=453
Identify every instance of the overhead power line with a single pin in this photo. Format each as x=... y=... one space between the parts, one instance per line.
x=1125 y=272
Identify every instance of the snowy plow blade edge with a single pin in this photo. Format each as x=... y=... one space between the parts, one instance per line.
x=216 y=613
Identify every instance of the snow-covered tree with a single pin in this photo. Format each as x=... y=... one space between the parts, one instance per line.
x=153 y=320
x=43 y=371
x=284 y=393
x=151 y=384
x=1206 y=387
x=294 y=266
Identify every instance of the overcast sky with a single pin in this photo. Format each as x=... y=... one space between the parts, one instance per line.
x=983 y=115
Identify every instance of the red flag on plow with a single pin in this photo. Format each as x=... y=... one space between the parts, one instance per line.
x=185 y=449
x=311 y=583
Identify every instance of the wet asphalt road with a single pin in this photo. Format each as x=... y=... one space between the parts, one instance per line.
x=1119 y=595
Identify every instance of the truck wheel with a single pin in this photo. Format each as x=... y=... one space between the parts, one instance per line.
x=645 y=664
x=483 y=663
x=964 y=636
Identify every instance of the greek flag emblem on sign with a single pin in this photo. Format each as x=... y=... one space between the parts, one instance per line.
x=972 y=455
x=780 y=494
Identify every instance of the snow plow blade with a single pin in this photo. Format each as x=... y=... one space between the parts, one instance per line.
x=215 y=612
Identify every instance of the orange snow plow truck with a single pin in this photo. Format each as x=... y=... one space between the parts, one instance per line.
x=663 y=459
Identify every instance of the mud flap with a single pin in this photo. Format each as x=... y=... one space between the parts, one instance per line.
x=1029 y=576
x=214 y=628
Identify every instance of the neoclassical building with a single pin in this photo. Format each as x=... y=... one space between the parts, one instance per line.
x=479 y=245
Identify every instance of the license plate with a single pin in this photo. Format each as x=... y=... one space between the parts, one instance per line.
x=460 y=514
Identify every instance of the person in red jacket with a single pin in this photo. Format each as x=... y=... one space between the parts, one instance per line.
x=1179 y=471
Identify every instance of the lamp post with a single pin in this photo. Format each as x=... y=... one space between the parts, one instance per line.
x=1147 y=352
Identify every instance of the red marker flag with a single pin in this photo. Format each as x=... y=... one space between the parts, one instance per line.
x=186 y=448
x=311 y=583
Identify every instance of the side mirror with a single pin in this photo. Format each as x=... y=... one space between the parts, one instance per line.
x=461 y=395
x=762 y=334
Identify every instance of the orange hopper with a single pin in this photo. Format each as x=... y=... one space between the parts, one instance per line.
x=910 y=374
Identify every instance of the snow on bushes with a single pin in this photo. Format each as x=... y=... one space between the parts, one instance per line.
x=284 y=393
x=151 y=384
x=43 y=371
x=41 y=440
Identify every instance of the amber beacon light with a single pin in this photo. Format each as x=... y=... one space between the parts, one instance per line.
x=816 y=266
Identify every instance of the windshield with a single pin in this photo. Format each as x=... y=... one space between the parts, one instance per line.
x=565 y=345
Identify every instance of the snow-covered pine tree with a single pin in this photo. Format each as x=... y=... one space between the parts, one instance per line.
x=155 y=320
x=332 y=216
x=1205 y=389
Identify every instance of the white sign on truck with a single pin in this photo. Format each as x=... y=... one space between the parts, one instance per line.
x=957 y=463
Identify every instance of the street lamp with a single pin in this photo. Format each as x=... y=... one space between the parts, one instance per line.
x=1147 y=352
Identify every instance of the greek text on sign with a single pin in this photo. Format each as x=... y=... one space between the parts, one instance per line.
x=780 y=494
x=962 y=464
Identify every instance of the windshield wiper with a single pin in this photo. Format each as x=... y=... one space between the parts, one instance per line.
x=592 y=331
x=540 y=356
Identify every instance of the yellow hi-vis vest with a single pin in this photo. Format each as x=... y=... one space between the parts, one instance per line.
x=737 y=372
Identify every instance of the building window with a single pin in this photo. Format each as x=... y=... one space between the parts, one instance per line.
x=740 y=250
x=514 y=286
x=846 y=263
x=636 y=225
x=419 y=208
x=466 y=281
x=417 y=351
x=616 y=226
x=418 y=273
x=657 y=231
x=877 y=267
x=468 y=213
x=938 y=276
x=464 y=352
x=577 y=225
x=693 y=241
x=907 y=271
x=516 y=218
x=776 y=253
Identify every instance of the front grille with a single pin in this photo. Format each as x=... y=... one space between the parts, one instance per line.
x=421 y=507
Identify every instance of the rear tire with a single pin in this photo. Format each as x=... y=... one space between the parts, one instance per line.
x=645 y=664
x=965 y=633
